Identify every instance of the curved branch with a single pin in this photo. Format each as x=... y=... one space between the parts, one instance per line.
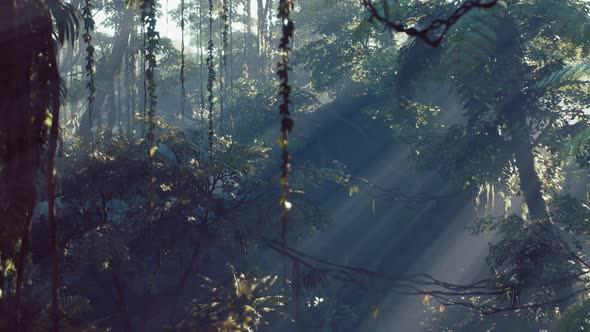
x=420 y=283
x=437 y=24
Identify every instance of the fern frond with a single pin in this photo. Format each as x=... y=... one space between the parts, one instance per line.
x=568 y=75
x=471 y=44
x=577 y=143
x=75 y=306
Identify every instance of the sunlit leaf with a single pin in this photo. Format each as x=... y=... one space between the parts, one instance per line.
x=153 y=150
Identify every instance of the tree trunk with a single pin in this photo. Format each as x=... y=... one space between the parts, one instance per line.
x=514 y=112
x=27 y=31
x=530 y=183
x=19 y=146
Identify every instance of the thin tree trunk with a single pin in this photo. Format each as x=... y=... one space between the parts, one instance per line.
x=119 y=104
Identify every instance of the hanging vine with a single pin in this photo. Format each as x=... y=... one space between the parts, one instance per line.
x=231 y=63
x=182 y=90
x=88 y=27
x=151 y=41
x=143 y=69
x=225 y=29
x=284 y=12
x=201 y=70
x=223 y=66
x=210 y=78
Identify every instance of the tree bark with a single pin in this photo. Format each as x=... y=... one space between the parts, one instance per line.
x=20 y=141
x=31 y=85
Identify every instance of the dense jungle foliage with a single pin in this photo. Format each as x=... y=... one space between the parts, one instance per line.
x=309 y=165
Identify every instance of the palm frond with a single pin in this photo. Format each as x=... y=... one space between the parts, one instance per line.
x=67 y=21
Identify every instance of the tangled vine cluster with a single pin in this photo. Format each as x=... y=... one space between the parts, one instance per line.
x=438 y=27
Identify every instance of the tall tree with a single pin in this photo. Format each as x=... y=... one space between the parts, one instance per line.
x=30 y=110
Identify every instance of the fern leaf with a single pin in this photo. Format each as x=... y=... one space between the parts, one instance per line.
x=471 y=44
x=576 y=144
x=75 y=306
x=568 y=75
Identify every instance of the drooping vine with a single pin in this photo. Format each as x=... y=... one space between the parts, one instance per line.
x=210 y=78
x=225 y=28
x=182 y=90
x=148 y=17
x=231 y=63
x=88 y=28
x=223 y=57
x=288 y=27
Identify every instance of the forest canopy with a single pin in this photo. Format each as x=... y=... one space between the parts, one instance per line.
x=310 y=165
